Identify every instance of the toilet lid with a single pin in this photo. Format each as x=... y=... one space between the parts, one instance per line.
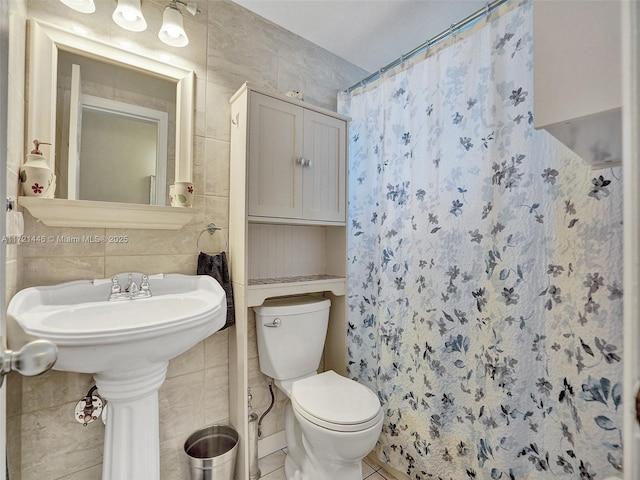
x=335 y=402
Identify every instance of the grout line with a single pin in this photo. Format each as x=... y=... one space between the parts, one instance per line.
x=377 y=473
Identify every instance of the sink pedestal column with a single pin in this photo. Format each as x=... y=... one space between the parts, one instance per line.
x=132 y=439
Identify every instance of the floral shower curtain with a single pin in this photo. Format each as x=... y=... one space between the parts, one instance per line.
x=485 y=271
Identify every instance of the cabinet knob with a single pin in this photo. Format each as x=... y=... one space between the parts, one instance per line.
x=303 y=162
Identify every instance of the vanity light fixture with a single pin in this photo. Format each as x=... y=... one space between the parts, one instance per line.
x=83 y=6
x=172 y=31
x=128 y=15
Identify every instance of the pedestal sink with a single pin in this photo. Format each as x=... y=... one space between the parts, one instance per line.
x=126 y=345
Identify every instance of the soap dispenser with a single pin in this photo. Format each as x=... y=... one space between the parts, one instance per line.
x=36 y=176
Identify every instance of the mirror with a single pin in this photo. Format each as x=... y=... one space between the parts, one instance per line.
x=115 y=135
x=169 y=113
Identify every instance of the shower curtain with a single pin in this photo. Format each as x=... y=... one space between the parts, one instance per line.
x=485 y=271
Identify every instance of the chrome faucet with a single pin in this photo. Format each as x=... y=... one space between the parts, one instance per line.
x=131 y=291
x=131 y=287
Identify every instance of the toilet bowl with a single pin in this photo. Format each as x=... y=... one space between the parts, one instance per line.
x=331 y=422
x=340 y=420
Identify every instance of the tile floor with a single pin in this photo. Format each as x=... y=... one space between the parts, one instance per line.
x=272 y=468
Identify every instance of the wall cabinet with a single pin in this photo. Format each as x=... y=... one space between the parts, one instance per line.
x=296 y=161
x=577 y=76
x=287 y=230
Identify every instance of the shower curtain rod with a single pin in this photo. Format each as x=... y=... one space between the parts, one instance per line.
x=489 y=7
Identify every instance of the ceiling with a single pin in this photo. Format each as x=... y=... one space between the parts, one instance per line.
x=368 y=33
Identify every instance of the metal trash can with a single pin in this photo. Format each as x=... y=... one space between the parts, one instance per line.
x=212 y=453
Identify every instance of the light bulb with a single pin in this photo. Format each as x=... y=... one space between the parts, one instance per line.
x=129 y=16
x=172 y=31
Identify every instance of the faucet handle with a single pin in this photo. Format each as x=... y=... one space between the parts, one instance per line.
x=145 y=290
x=115 y=285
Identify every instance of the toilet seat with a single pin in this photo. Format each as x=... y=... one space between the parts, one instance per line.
x=336 y=403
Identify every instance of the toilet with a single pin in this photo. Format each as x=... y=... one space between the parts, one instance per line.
x=331 y=422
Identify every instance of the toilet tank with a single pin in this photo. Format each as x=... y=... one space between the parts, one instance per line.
x=291 y=333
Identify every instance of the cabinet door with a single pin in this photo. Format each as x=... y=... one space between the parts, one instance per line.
x=275 y=145
x=325 y=170
x=577 y=76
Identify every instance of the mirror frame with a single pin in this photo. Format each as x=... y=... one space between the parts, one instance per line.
x=45 y=40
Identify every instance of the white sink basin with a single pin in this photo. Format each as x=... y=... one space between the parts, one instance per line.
x=126 y=345
x=95 y=335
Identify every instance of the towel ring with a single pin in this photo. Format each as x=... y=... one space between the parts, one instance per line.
x=211 y=228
